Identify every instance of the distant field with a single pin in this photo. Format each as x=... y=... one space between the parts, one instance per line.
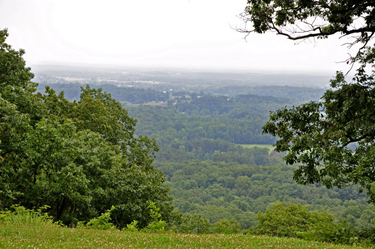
x=126 y=103
x=267 y=146
x=52 y=236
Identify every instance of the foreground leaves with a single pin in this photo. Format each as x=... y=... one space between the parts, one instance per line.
x=333 y=140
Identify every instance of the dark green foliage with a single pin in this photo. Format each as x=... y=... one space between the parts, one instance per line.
x=80 y=158
x=367 y=235
x=132 y=95
x=333 y=139
x=240 y=122
x=230 y=190
x=212 y=150
x=194 y=223
x=288 y=93
x=135 y=95
x=249 y=104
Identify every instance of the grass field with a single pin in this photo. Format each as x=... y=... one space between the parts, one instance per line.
x=52 y=236
x=267 y=146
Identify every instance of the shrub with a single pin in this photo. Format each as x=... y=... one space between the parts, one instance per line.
x=132 y=227
x=367 y=235
x=157 y=225
x=23 y=216
x=295 y=220
x=193 y=223
x=226 y=226
x=103 y=222
x=291 y=220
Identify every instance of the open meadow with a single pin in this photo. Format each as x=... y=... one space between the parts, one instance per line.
x=53 y=236
x=270 y=147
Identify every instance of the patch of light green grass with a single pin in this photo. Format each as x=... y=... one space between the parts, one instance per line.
x=53 y=236
x=270 y=147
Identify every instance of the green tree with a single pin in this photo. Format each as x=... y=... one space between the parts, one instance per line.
x=80 y=158
x=332 y=140
x=294 y=220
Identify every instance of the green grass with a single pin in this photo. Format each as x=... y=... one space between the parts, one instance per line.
x=126 y=103
x=250 y=146
x=53 y=236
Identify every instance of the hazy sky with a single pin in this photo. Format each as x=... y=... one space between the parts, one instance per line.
x=157 y=33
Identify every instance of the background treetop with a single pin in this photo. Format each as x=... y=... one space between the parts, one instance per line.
x=298 y=20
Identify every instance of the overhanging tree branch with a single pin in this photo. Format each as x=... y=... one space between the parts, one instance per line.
x=299 y=20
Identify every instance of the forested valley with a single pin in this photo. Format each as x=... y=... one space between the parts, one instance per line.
x=142 y=156
x=216 y=160
x=228 y=158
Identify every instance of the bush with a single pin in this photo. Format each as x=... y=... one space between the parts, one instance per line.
x=157 y=225
x=367 y=235
x=132 y=227
x=103 y=222
x=24 y=216
x=193 y=223
x=226 y=226
x=295 y=220
x=292 y=220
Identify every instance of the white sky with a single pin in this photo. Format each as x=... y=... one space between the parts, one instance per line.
x=157 y=33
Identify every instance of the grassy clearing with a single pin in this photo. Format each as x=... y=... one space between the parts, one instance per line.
x=127 y=104
x=250 y=146
x=53 y=236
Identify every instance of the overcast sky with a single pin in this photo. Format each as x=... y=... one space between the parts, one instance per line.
x=157 y=33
